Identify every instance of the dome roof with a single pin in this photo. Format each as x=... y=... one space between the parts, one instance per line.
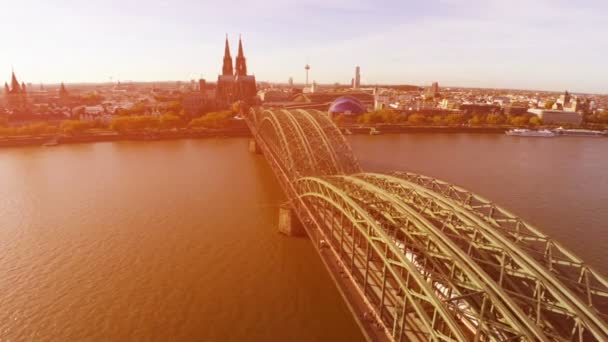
x=347 y=105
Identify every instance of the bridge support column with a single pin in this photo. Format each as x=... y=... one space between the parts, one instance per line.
x=289 y=223
x=253 y=146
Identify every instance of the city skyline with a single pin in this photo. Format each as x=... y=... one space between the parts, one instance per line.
x=544 y=45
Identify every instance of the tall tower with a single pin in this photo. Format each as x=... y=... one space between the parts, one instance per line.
x=241 y=64
x=63 y=92
x=227 y=67
x=16 y=96
x=357 y=77
x=15 y=87
x=307 y=68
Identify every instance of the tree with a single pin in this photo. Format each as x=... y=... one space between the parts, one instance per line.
x=455 y=119
x=169 y=121
x=339 y=119
x=519 y=121
x=37 y=128
x=438 y=120
x=417 y=119
x=388 y=115
x=549 y=104
x=134 y=123
x=212 y=120
x=475 y=121
x=174 y=106
x=370 y=118
x=75 y=126
x=495 y=119
x=535 y=121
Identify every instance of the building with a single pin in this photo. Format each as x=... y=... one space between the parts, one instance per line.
x=347 y=105
x=15 y=96
x=274 y=95
x=310 y=89
x=64 y=95
x=382 y=100
x=193 y=103
x=357 y=79
x=433 y=90
x=479 y=108
x=235 y=84
x=567 y=103
x=557 y=116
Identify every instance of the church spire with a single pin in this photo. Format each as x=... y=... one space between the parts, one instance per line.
x=241 y=64
x=227 y=67
x=62 y=90
x=241 y=54
x=14 y=83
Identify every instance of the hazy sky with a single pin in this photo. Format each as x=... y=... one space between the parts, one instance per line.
x=539 y=44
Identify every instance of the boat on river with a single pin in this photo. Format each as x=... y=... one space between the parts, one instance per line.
x=578 y=132
x=522 y=132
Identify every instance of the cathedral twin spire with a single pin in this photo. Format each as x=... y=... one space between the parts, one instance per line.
x=227 y=67
x=240 y=65
x=15 y=87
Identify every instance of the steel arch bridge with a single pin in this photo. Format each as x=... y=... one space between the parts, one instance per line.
x=428 y=259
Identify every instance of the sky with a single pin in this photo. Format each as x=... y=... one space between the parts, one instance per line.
x=522 y=44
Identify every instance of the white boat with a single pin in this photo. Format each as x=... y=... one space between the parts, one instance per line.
x=578 y=132
x=373 y=131
x=520 y=132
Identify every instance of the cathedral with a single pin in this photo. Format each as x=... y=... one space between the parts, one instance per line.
x=15 y=96
x=234 y=84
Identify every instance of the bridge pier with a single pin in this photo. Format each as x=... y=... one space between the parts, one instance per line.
x=289 y=223
x=254 y=147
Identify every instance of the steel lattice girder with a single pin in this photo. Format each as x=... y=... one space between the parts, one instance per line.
x=584 y=280
x=307 y=217
x=342 y=148
x=517 y=282
x=445 y=264
x=306 y=142
x=441 y=323
x=547 y=301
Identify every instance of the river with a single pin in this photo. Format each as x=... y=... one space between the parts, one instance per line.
x=176 y=240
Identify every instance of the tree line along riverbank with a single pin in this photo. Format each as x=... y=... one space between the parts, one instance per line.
x=225 y=124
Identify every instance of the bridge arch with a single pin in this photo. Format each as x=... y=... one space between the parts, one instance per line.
x=441 y=323
x=306 y=142
x=276 y=139
x=516 y=282
x=545 y=296
x=456 y=274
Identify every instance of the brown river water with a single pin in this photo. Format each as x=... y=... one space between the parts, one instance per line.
x=177 y=240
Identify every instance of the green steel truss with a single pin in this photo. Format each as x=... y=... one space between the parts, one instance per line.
x=430 y=260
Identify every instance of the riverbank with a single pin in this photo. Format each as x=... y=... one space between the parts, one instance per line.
x=107 y=135
x=398 y=129
x=104 y=136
